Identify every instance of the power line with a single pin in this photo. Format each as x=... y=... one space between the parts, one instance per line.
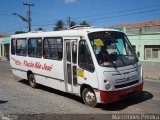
x=127 y=10
x=26 y=27
x=42 y=25
x=3 y=14
x=15 y=29
x=11 y=26
x=130 y=20
x=50 y=22
x=109 y=17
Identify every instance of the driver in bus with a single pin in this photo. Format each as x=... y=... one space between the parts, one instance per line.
x=102 y=56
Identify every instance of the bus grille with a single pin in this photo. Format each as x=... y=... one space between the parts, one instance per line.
x=126 y=84
x=120 y=81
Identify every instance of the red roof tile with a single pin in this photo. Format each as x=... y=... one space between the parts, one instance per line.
x=149 y=23
x=3 y=35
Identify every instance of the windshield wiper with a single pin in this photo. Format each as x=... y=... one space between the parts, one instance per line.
x=114 y=65
x=119 y=54
x=110 y=60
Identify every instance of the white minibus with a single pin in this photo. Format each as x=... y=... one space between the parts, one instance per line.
x=97 y=64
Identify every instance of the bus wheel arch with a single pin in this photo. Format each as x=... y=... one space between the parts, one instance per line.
x=31 y=79
x=88 y=95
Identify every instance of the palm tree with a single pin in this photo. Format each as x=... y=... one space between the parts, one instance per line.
x=19 y=32
x=72 y=23
x=85 y=23
x=59 y=25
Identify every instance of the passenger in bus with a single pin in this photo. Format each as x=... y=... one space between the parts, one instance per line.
x=45 y=53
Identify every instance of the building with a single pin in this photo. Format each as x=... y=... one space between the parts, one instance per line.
x=4 y=46
x=145 y=38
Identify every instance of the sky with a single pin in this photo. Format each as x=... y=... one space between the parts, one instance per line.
x=99 y=13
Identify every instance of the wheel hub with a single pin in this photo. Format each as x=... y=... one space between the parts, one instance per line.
x=90 y=97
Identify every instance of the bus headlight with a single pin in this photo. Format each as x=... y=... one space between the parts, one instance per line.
x=107 y=86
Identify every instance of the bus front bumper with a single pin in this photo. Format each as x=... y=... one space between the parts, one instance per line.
x=113 y=96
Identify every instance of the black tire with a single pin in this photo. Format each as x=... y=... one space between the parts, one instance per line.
x=89 y=97
x=32 y=81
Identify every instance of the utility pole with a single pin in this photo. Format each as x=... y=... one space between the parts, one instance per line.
x=29 y=14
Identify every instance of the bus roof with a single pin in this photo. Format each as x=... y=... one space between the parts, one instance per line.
x=66 y=33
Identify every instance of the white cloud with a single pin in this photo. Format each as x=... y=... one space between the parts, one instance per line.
x=70 y=1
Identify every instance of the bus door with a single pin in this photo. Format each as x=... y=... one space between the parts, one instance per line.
x=70 y=65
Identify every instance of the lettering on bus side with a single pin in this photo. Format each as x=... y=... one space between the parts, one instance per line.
x=32 y=64
x=38 y=65
x=17 y=62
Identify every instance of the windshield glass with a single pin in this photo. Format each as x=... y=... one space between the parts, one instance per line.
x=112 y=49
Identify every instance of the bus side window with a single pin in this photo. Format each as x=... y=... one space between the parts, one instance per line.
x=13 y=46
x=35 y=47
x=52 y=48
x=85 y=60
x=74 y=53
x=21 y=47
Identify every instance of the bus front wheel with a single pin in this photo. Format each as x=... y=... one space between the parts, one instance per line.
x=89 y=97
x=32 y=81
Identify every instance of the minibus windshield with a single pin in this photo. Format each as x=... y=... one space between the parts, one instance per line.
x=112 y=49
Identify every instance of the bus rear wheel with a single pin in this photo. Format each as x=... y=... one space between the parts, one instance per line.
x=32 y=81
x=89 y=97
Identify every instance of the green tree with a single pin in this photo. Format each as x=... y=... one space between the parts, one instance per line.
x=39 y=29
x=72 y=23
x=59 y=25
x=85 y=23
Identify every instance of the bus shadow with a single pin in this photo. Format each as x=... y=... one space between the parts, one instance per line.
x=52 y=90
x=120 y=105
x=2 y=101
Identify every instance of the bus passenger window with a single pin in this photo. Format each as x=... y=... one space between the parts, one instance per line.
x=21 y=47
x=13 y=46
x=85 y=59
x=52 y=48
x=68 y=49
x=74 y=53
x=35 y=47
